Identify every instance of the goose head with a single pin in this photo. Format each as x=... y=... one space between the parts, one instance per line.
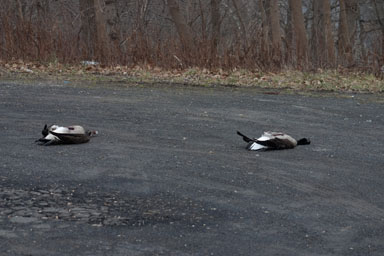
x=303 y=141
x=92 y=133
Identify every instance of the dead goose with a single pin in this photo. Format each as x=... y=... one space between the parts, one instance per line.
x=74 y=134
x=273 y=140
x=75 y=129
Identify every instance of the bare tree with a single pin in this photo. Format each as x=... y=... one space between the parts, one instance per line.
x=215 y=23
x=288 y=38
x=216 y=33
x=300 y=37
x=112 y=21
x=142 y=9
x=20 y=10
x=102 y=43
x=264 y=53
x=88 y=26
x=237 y=4
x=379 y=11
x=327 y=25
x=344 y=45
x=275 y=32
x=323 y=49
x=318 y=42
x=353 y=15
x=352 y=11
x=93 y=28
x=182 y=28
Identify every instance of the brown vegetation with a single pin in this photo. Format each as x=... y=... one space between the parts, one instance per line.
x=217 y=34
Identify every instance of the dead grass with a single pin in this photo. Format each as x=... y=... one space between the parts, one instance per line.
x=321 y=80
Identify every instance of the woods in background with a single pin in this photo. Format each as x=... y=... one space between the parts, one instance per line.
x=256 y=35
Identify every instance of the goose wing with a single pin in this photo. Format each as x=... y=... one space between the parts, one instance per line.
x=271 y=143
x=71 y=138
x=277 y=140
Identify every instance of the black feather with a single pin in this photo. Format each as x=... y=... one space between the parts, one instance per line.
x=45 y=131
x=304 y=141
x=276 y=143
x=245 y=138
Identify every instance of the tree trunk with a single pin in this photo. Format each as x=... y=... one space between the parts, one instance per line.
x=317 y=35
x=237 y=5
x=379 y=10
x=275 y=32
x=182 y=28
x=264 y=32
x=215 y=22
x=288 y=39
x=20 y=11
x=323 y=49
x=299 y=33
x=353 y=16
x=329 y=40
x=112 y=22
x=142 y=9
x=93 y=29
x=344 y=46
x=88 y=27
x=102 y=43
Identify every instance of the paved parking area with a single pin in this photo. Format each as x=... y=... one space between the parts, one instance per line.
x=168 y=175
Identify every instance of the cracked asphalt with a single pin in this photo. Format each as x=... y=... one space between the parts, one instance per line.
x=167 y=174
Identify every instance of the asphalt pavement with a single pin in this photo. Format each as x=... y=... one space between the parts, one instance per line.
x=167 y=174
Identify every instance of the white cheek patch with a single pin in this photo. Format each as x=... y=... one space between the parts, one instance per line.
x=51 y=137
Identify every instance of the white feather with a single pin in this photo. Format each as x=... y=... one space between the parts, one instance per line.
x=51 y=137
x=61 y=129
x=74 y=129
x=264 y=137
x=256 y=146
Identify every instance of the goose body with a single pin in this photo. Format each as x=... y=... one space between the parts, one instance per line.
x=273 y=140
x=73 y=129
x=74 y=134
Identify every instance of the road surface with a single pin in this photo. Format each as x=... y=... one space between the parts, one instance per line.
x=167 y=174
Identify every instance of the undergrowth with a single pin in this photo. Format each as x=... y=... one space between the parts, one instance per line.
x=321 y=80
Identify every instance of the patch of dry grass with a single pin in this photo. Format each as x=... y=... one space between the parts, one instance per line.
x=321 y=80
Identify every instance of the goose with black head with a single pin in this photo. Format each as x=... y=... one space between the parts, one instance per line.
x=273 y=141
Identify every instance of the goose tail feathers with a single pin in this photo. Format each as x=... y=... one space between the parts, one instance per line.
x=245 y=138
